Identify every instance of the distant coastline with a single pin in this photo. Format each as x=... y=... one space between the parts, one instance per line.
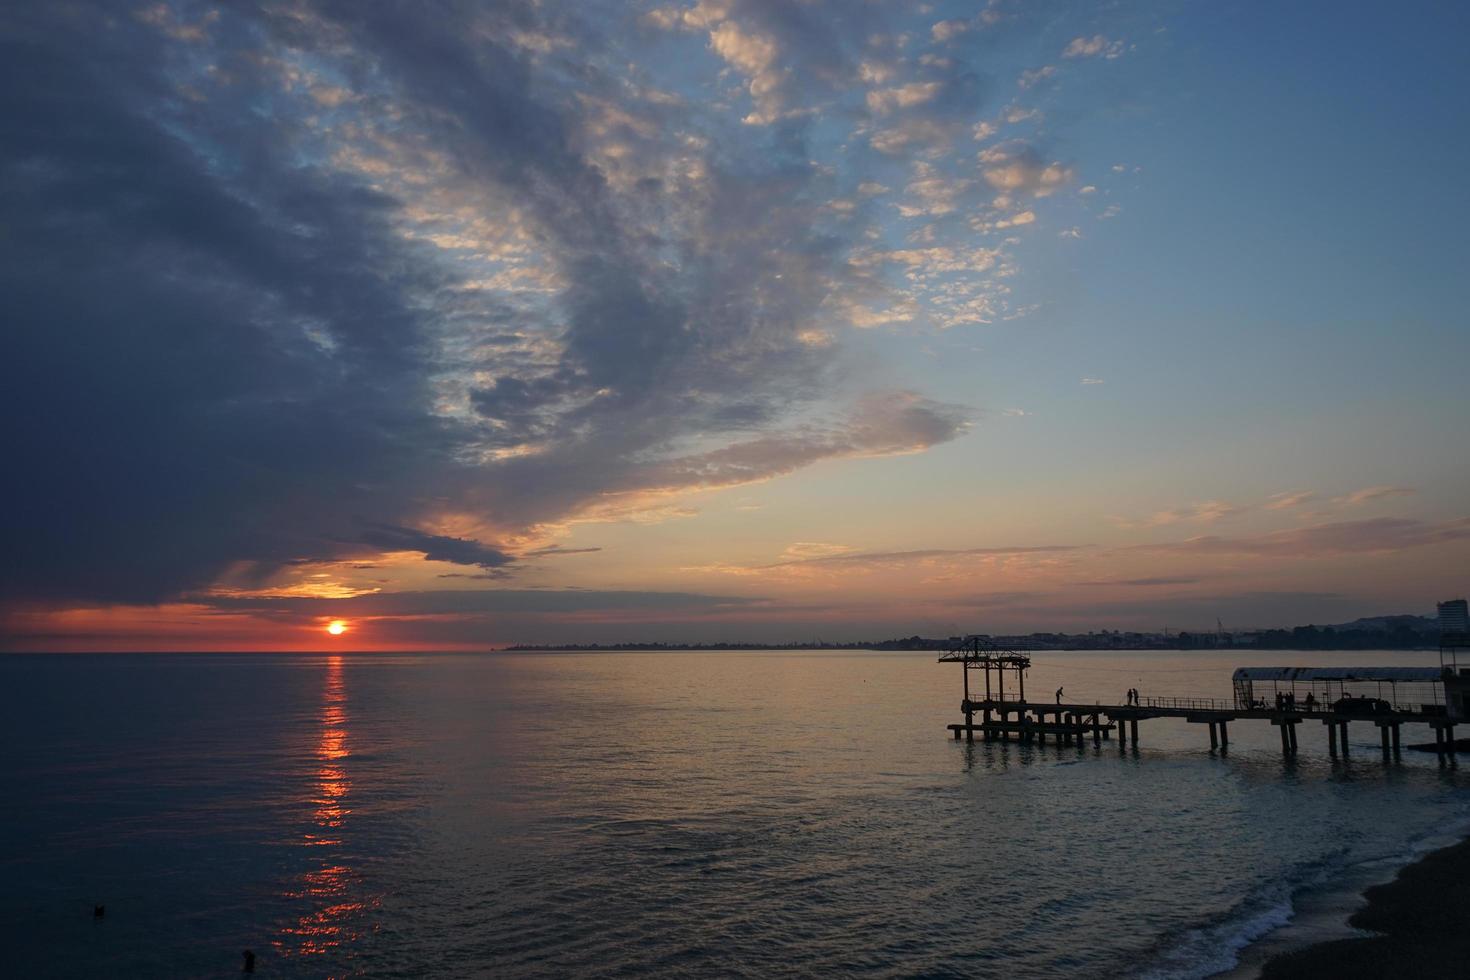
x=1380 y=633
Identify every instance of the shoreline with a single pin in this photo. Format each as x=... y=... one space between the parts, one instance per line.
x=1411 y=925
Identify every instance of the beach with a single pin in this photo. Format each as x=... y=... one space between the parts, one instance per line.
x=1418 y=924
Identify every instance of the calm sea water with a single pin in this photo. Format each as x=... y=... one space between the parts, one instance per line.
x=744 y=814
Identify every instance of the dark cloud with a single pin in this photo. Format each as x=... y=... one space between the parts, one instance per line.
x=211 y=347
x=435 y=547
x=555 y=550
x=227 y=342
x=495 y=575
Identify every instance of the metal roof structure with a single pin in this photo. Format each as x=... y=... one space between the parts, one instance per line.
x=1307 y=674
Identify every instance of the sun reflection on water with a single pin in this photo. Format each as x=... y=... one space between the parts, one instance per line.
x=330 y=890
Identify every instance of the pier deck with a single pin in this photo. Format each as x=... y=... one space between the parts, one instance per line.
x=1070 y=722
x=1005 y=715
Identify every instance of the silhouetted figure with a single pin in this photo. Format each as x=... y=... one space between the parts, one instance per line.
x=1059 y=695
x=249 y=958
x=1311 y=701
x=98 y=911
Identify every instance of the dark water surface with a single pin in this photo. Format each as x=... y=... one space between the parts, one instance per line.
x=749 y=814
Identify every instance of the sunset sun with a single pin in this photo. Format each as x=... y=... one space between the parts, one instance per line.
x=336 y=627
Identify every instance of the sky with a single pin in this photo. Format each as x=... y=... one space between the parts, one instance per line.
x=471 y=324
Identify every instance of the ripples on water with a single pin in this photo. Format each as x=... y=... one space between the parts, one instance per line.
x=676 y=813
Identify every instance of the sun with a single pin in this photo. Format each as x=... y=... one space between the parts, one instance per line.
x=336 y=627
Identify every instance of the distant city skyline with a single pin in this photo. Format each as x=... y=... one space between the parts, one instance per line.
x=361 y=329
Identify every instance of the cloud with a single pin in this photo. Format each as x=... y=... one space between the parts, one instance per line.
x=890 y=424
x=553 y=551
x=435 y=547
x=1015 y=167
x=884 y=101
x=755 y=55
x=1189 y=611
x=1289 y=498
x=1092 y=381
x=944 y=30
x=869 y=560
x=1368 y=494
x=494 y=575
x=802 y=550
x=1089 y=47
x=470 y=602
x=438 y=276
x=1324 y=540
x=1032 y=77
x=316 y=280
x=1207 y=512
x=1144 y=582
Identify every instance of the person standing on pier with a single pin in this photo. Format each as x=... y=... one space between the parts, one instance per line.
x=1059 y=695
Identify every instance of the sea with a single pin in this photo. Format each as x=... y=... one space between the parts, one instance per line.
x=679 y=814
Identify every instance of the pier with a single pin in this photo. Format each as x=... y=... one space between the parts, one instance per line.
x=996 y=707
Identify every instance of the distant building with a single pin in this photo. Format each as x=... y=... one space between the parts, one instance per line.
x=1454 y=617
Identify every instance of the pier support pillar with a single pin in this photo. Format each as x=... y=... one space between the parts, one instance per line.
x=1096 y=730
x=1439 y=739
x=969 y=727
x=1292 y=733
x=1449 y=738
x=1224 y=735
x=1332 y=738
x=1133 y=731
x=1343 y=737
x=1395 y=738
x=1383 y=729
x=1285 y=739
x=1214 y=737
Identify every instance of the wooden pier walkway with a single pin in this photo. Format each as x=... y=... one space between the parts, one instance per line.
x=1069 y=723
x=1436 y=697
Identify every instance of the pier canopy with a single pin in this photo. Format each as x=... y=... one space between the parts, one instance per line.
x=979 y=652
x=1425 y=675
x=1421 y=691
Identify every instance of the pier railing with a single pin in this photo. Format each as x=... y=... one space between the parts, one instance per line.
x=1188 y=704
